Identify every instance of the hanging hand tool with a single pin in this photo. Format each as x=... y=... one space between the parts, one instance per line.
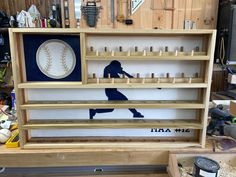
x=120 y=16
x=112 y=11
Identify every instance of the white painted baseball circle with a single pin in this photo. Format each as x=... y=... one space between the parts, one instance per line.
x=56 y=59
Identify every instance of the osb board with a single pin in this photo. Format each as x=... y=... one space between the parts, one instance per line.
x=158 y=14
x=11 y=7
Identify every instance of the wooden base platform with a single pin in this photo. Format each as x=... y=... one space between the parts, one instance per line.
x=16 y=157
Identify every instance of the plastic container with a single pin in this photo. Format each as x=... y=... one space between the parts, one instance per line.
x=204 y=167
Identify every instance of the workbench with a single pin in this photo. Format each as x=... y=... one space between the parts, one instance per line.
x=16 y=157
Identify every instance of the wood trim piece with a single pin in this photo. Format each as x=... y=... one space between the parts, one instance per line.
x=173 y=170
x=156 y=57
x=17 y=78
x=208 y=77
x=115 y=146
x=79 y=157
x=113 y=104
x=73 y=85
x=145 y=32
x=58 y=124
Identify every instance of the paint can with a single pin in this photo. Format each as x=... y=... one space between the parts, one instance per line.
x=205 y=167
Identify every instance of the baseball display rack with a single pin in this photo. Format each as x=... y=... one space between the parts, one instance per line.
x=160 y=77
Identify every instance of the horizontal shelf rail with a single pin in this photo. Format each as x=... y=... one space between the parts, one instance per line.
x=112 y=104
x=151 y=57
x=91 y=124
x=114 y=145
x=117 y=83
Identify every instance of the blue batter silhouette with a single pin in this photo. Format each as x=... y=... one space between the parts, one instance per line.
x=114 y=69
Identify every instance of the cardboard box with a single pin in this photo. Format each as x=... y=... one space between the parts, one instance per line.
x=232 y=78
x=233 y=108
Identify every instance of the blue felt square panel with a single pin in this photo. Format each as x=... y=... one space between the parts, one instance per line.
x=31 y=45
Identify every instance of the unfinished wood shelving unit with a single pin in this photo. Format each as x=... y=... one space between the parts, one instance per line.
x=200 y=81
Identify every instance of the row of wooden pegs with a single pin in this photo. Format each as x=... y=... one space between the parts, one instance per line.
x=144 y=52
x=171 y=79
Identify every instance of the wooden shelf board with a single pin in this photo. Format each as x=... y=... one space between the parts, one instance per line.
x=67 y=85
x=74 y=85
x=146 y=32
x=169 y=58
x=112 y=104
x=91 y=124
x=113 y=145
x=147 y=85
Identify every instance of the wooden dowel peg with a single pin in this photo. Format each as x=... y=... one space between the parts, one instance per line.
x=160 y=53
x=97 y=53
x=166 y=49
x=143 y=80
x=176 y=52
x=173 y=80
x=120 y=49
x=144 y=52
x=181 y=49
x=182 y=75
x=91 y=49
x=128 y=53
x=167 y=75
x=109 y=75
x=112 y=80
x=128 y=80
x=158 y=80
x=151 y=49
x=136 y=49
x=98 y=80
x=105 y=49
x=190 y=80
x=152 y=75
x=112 y=53
x=192 y=53
x=196 y=75
x=94 y=75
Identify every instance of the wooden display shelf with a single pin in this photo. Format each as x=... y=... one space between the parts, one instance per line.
x=111 y=104
x=170 y=56
x=118 y=32
x=205 y=40
x=91 y=124
x=111 y=145
x=118 y=83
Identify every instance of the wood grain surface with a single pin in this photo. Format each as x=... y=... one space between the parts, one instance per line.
x=161 y=14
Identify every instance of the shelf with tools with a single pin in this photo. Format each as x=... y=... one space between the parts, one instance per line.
x=161 y=63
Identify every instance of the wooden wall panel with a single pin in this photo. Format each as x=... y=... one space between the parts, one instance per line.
x=152 y=14
x=157 y=14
